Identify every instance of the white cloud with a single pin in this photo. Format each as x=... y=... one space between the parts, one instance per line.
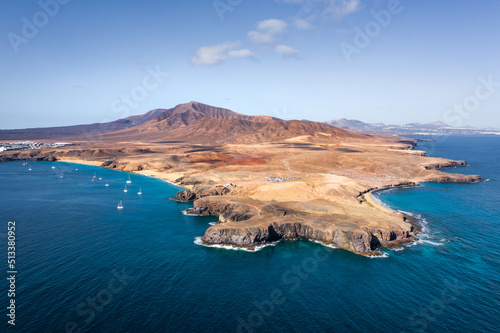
x=273 y=26
x=336 y=9
x=215 y=54
x=267 y=30
x=242 y=53
x=341 y=8
x=302 y=24
x=260 y=37
x=286 y=51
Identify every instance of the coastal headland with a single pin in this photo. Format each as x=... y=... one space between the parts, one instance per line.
x=265 y=178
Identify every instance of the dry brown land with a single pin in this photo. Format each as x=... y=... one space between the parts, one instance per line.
x=327 y=196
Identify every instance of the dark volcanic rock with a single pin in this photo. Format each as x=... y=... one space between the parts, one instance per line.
x=446 y=165
x=355 y=240
x=185 y=196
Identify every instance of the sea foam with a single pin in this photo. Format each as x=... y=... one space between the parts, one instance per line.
x=325 y=244
x=257 y=248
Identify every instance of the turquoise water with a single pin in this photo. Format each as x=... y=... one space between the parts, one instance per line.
x=85 y=265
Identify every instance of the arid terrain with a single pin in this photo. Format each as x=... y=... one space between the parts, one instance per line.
x=266 y=178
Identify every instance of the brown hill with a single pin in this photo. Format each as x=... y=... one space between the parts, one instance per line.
x=189 y=113
x=77 y=131
x=197 y=122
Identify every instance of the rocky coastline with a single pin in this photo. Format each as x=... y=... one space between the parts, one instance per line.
x=250 y=217
x=268 y=224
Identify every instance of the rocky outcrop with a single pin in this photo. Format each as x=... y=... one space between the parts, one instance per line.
x=185 y=196
x=245 y=223
x=201 y=191
x=445 y=165
x=230 y=210
x=455 y=178
x=16 y=157
x=355 y=240
x=403 y=184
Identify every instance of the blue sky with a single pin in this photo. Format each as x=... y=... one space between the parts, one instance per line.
x=67 y=62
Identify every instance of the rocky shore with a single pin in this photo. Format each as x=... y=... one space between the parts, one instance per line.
x=249 y=223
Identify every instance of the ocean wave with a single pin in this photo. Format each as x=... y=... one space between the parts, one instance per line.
x=426 y=241
x=325 y=244
x=380 y=256
x=417 y=216
x=376 y=198
x=190 y=214
x=257 y=248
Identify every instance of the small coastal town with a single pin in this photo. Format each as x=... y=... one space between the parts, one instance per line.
x=30 y=145
x=280 y=179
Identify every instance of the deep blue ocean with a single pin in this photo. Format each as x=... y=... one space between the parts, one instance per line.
x=85 y=266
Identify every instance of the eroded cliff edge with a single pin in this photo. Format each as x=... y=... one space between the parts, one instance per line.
x=245 y=222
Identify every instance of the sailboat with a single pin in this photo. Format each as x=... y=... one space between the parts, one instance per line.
x=129 y=181
x=29 y=169
x=53 y=167
x=61 y=176
x=120 y=205
x=107 y=184
x=93 y=179
x=140 y=191
x=125 y=190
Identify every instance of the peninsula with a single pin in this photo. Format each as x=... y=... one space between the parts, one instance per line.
x=265 y=178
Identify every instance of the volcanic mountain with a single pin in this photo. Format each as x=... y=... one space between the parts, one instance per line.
x=194 y=122
x=88 y=130
x=204 y=123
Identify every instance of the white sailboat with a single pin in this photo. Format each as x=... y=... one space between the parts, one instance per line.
x=120 y=205
x=125 y=190
x=129 y=181
x=140 y=191
x=53 y=167
x=93 y=179
x=107 y=184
